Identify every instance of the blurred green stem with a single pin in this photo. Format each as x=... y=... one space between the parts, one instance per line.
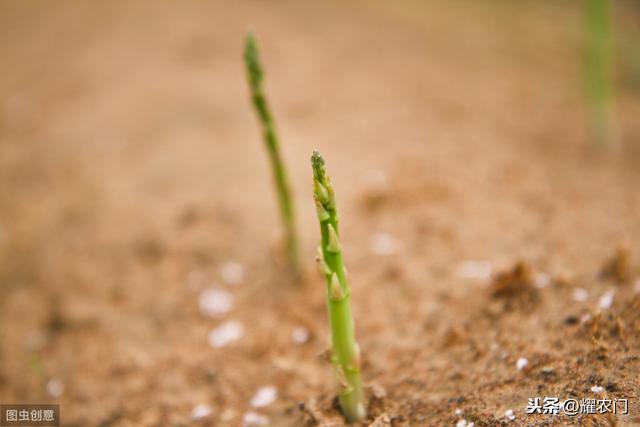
x=255 y=77
x=598 y=56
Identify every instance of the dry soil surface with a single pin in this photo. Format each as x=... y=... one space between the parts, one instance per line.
x=479 y=225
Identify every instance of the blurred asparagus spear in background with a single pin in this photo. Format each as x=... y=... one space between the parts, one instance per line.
x=255 y=76
x=345 y=353
x=598 y=58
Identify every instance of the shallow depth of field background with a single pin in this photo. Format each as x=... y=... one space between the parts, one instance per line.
x=132 y=171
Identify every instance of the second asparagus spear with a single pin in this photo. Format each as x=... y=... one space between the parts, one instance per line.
x=255 y=76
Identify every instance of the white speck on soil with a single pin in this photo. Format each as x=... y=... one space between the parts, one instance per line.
x=465 y=423
x=265 y=396
x=597 y=389
x=226 y=333
x=300 y=335
x=580 y=295
x=383 y=244
x=215 y=302
x=475 y=270
x=251 y=419
x=585 y=318
x=232 y=273
x=201 y=411
x=509 y=414
x=458 y=412
x=55 y=388
x=542 y=280
x=606 y=300
x=521 y=363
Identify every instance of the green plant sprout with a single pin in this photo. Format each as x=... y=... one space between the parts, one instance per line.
x=598 y=55
x=255 y=76
x=345 y=352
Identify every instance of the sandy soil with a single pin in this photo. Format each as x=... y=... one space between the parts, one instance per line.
x=131 y=174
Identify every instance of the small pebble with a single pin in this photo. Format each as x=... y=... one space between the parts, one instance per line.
x=232 y=273
x=383 y=244
x=521 y=363
x=597 y=389
x=215 y=302
x=226 y=333
x=458 y=412
x=201 y=411
x=542 y=280
x=300 y=335
x=55 y=388
x=571 y=319
x=377 y=391
x=475 y=270
x=250 y=419
x=264 y=397
x=509 y=414
x=580 y=295
x=547 y=372
x=606 y=300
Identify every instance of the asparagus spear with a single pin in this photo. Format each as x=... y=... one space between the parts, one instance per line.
x=345 y=352
x=598 y=68
x=271 y=140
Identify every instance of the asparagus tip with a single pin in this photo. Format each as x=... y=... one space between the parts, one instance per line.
x=251 y=59
x=316 y=158
x=250 y=48
x=318 y=164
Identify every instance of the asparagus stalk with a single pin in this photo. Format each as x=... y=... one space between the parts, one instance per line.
x=345 y=352
x=255 y=76
x=598 y=69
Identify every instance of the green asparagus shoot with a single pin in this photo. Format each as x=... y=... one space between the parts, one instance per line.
x=255 y=76
x=345 y=352
x=598 y=69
